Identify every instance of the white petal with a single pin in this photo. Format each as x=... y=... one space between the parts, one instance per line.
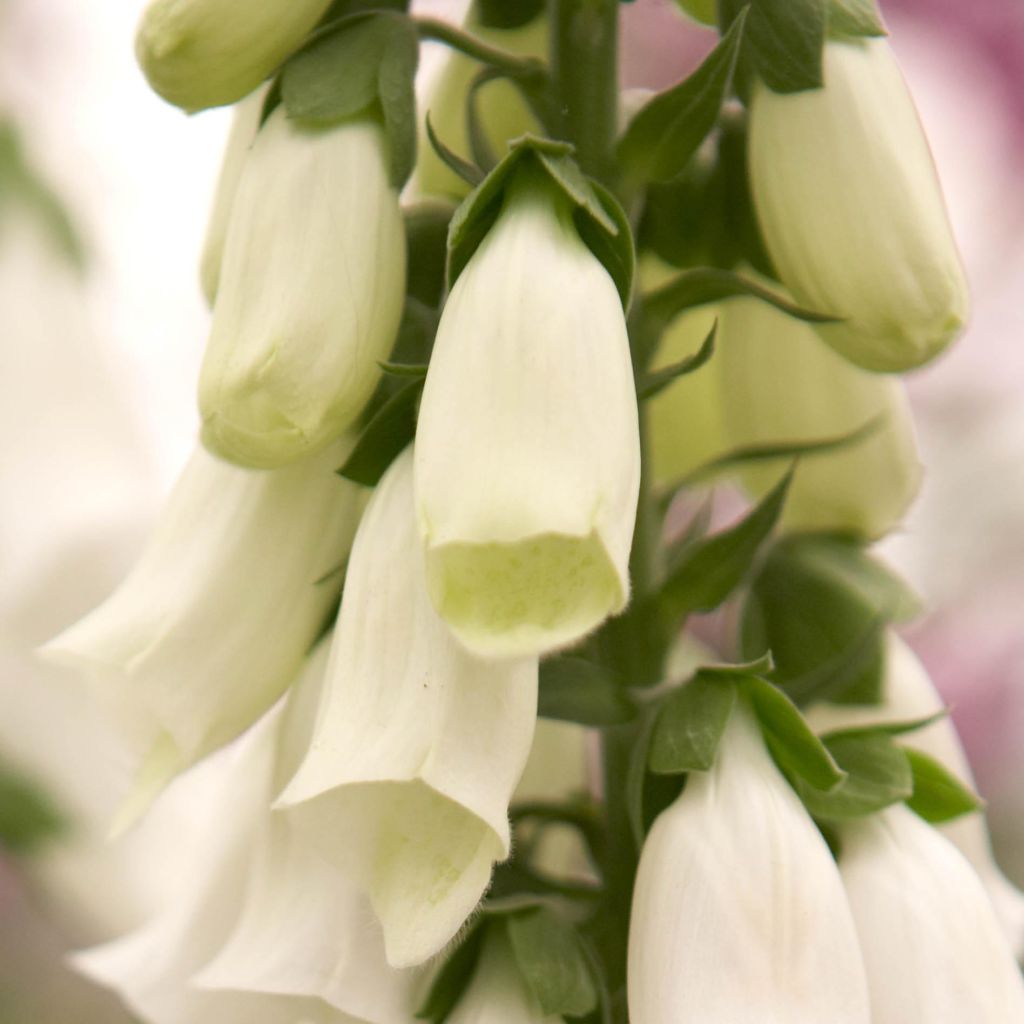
x=739 y=916
x=908 y=695
x=497 y=993
x=244 y=125
x=419 y=745
x=214 y=620
x=201 y=53
x=933 y=949
x=304 y=928
x=527 y=454
x=780 y=384
x=851 y=210
x=310 y=295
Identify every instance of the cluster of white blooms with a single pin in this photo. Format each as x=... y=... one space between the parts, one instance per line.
x=370 y=660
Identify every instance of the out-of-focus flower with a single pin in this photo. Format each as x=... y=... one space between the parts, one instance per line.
x=909 y=695
x=310 y=293
x=933 y=949
x=527 y=454
x=244 y=126
x=418 y=746
x=852 y=213
x=497 y=993
x=778 y=384
x=213 y=622
x=206 y=53
x=738 y=911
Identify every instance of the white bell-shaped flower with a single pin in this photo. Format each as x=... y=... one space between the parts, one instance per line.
x=908 y=695
x=851 y=209
x=497 y=994
x=310 y=293
x=207 y=53
x=418 y=746
x=779 y=384
x=933 y=949
x=212 y=624
x=244 y=125
x=739 y=915
x=527 y=453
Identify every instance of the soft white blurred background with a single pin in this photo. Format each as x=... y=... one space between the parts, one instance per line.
x=97 y=412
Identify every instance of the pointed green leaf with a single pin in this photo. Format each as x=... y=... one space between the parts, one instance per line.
x=786 y=39
x=464 y=169
x=938 y=794
x=396 y=81
x=854 y=18
x=712 y=569
x=653 y=383
x=552 y=962
x=877 y=775
x=386 y=435
x=574 y=689
x=690 y=725
x=791 y=740
x=667 y=131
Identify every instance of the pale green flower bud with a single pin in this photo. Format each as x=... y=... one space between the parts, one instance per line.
x=310 y=294
x=852 y=213
x=738 y=913
x=244 y=125
x=780 y=384
x=527 y=454
x=207 y=53
x=933 y=949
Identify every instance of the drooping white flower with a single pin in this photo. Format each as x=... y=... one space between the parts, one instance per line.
x=527 y=454
x=780 y=384
x=909 y=695
x=418 y=746
x=739 y=915
x=213 y=622
x=259 y=930
x=851 y=210
x=244 y=125
x=497 y=994
x=310 y=293
x=933 y=949
x=207 y=53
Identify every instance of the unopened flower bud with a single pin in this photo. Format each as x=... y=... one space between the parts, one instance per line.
x=207 y=53
x=310 y=293
x=738 y=912
x=779 y=384
x=933 y=949
x=528 y=454
x=852 y=213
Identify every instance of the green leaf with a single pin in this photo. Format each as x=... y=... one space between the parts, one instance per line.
x=361 y=63
x=464 y=169
x=786 y=39
x=574 y=689
x=552 y=961
x=701 y=285
x=668 y=130
x=877 y=775
x=386 y=435
x=791 y=740
x=598 y=217
x=690 y=725
x=938 y=794
x=636 y=776
x=713 y=568
x=28 y=817
x=820 y=603
x=654 y=383
x=785 y=450
x=854 y=18
x=453 y=979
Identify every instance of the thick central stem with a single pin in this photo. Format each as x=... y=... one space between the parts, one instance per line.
x=584 y=65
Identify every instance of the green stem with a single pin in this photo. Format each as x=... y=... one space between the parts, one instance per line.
x=584 y=65
x=523 y=68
